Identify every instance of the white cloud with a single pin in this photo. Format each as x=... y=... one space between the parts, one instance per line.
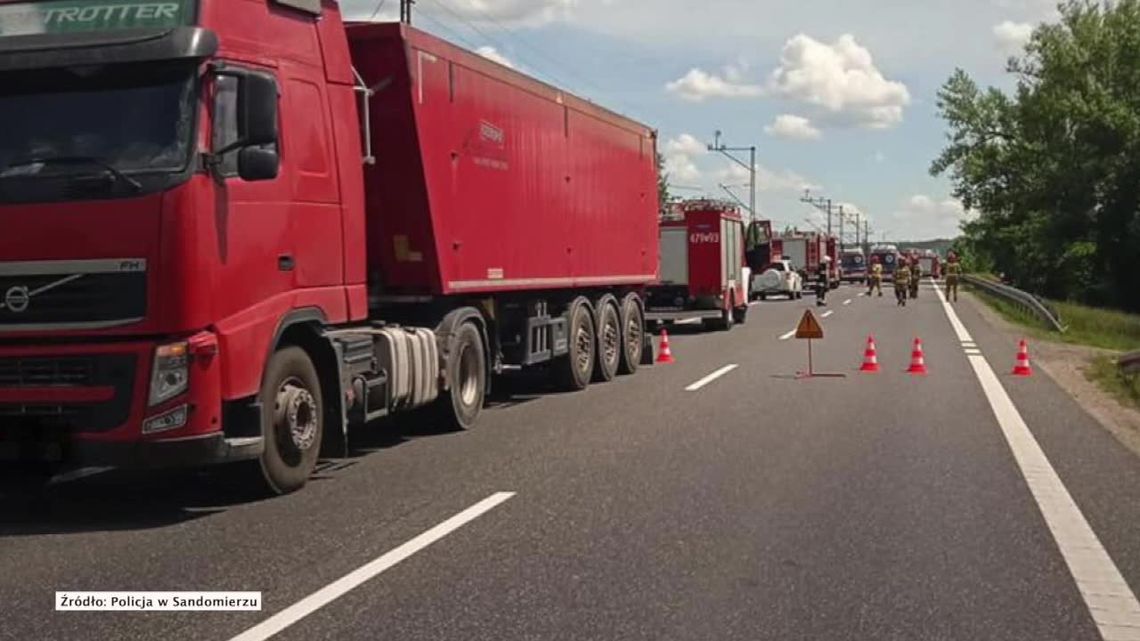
x=492 y=53
x=767 y=180
x=841 y=79
x=793 y=127
x=922 y=217
x=531 y=12
x=1012 y=36
x=680 y=153
x=686 y=144
x=699 y=85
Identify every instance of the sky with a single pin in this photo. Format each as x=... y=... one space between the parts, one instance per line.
x=838 y=97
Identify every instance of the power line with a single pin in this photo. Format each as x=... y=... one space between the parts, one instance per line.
x=580 y=81
x=376 y=12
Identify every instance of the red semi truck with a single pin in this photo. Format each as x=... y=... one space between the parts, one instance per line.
x=234 y=228
x=703 y=275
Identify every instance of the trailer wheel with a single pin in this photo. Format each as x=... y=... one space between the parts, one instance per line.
x=633 y=335
x=292 y=420
x=467 y=371
x=609 y=331
x=574 y=369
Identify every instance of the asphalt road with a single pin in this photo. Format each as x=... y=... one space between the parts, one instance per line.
x=756 y=506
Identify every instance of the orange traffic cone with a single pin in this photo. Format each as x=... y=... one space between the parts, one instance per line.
x=917 y=360
x=1022 y=368
x=870 y=357
x=665 y=356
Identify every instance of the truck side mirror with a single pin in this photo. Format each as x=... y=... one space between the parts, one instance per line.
x=258 y=163
x=257 y=110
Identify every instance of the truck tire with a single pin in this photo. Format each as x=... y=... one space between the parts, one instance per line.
x=292 y=420
x=573 y=371
x=459 y=408
x=633 y=335
x=609 y=332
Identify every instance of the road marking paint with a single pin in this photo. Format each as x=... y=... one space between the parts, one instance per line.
x=754 y=303
x=862 y=294
x=370 y=570
x=788 y=335
x=847 y=302
x=973 y=352
x=711 y=377
x=81 y=473
x=1111 y=603
x=828 y=313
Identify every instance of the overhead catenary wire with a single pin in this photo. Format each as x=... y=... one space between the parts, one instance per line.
x=577 y=80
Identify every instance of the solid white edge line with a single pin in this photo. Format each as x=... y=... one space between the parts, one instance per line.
x=364 y=573
x=711 y=377
x=1111 y=602
x=828 y=313
x=788 y=335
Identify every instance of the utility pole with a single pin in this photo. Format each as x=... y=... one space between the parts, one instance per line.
x=406 y=11
x=751 y=167
x=822 y=204
x=841 y=229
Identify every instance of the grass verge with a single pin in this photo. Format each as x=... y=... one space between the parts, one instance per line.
x=1106 y=329
x=1124 y=387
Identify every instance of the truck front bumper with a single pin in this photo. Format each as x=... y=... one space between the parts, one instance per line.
x=88 y=404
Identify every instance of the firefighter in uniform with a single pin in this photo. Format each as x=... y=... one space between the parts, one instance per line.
x=902 y=281
x=823 y=281
x=953 y=274
x=915 y=276
x=875 y=279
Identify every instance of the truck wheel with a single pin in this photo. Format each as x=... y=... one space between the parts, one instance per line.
x=574 y=369
x=633 y=335
x=292 y=420
x=609 y=331
x=467 y=371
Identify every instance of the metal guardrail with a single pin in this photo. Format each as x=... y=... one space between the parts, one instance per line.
x=1025 y=300
x=1129 y=363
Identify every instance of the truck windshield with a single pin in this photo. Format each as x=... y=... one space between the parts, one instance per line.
x=853 y=261
x=136 y=118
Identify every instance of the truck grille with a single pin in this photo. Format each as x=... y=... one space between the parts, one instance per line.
x=46 y=372
x=116 y=371
x=80 y=294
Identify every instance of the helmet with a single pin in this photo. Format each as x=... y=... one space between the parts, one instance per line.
x=874 y=260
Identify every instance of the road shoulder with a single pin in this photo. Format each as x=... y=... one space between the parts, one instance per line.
x=1066 y=365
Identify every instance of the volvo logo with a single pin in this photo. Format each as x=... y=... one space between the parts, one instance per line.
x=17 y=299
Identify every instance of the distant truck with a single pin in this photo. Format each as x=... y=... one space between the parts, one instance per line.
x=854 y=265
x=931 y=265
x=261 y=226
x=703 y=271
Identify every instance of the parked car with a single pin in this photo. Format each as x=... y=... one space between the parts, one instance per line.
x=778 y=279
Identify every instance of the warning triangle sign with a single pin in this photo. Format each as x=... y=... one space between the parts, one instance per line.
x=809 y=327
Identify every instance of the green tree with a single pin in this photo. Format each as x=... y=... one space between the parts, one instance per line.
x=1054 y=167
x=663 y=195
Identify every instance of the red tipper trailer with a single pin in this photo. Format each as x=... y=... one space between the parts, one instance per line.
x=489 y=181
x=703 y=275
x=338 y=222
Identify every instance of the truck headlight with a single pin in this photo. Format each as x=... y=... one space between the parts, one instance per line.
x=170 y=375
